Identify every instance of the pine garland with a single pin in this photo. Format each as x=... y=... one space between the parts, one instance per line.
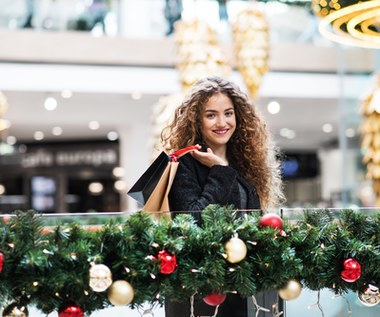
x=50 y=268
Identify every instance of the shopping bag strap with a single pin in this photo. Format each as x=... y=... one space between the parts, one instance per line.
x=181 y=152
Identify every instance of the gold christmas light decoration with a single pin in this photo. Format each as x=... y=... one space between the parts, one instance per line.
x=198 y=56
x=4 y=124
x=357 y=24
x=198 y=52
x=370 y=137
x=322 y=8
x=250 y=33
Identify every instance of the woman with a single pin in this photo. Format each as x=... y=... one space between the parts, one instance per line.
x=235 y=165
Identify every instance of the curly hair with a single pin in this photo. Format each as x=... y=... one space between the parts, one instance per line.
x=250 y=148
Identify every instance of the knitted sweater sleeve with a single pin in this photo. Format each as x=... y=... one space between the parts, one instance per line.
x=195 y=186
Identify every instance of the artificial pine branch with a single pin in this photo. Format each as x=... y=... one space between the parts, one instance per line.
x=50 y=268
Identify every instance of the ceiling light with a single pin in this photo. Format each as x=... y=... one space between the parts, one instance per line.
x=2 y=189
x=273 y=107
x=112 y=136
x=66 y=94
x=120 y=185
x=95 y=188
x=94 y=125
x=57 y=131
x=350 y=133
x=327 y=128
x=6 y=149
x=50 y=103
x=288 y=133
x=11 y=140
x=38 y=135
x=118 y=171
x=136 y=95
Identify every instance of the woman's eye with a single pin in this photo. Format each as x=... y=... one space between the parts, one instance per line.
x=211 y=116
x=229 y=113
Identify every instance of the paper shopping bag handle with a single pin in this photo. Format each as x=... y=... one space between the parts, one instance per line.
x=181 y=152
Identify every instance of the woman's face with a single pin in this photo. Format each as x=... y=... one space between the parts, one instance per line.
x=218 y=121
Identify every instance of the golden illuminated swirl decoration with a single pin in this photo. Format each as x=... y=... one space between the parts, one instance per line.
x=250 y=33
x=198 y=55
x=357 y=25
x=370 y=137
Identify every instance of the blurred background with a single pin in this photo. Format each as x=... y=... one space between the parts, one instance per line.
x=88 y=84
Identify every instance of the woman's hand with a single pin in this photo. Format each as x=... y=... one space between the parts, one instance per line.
x=208 y=158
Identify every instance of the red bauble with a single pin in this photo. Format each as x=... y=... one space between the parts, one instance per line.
x=351 y=270
x=214 y=299
x=71 y=311
x=168 y=262
x=271 y=220
x=1 y=261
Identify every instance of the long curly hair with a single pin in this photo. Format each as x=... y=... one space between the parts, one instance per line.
x=250 y=149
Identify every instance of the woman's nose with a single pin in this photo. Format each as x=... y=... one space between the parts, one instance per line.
x=221 y=122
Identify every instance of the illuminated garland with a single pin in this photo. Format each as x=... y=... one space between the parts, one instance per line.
x=138 y=261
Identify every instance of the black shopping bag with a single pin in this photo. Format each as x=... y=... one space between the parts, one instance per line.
x=152 y=188
x=145 y=185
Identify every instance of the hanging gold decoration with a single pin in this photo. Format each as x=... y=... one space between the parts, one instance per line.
x=250 y=33
x=370 y=137
x=4 y=124
x=198 y=55
x=198 y=52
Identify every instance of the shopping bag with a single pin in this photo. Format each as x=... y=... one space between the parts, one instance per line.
x=153 y=187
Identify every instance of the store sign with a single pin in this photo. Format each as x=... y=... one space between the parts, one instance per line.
x=76 y=155
x=96 y=158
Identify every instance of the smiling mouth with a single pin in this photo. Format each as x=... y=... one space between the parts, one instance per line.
x=221 y=132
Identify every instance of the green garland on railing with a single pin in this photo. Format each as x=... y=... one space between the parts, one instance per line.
x=50 y=268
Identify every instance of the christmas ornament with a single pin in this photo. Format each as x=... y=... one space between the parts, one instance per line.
x=236 y=250
x=71 y=311
x=271 y=220
x=120 y=293
x=291 y=290
x=351 y=270
x=15 y=310
x=370 y=139
x=100 y=277
x=214 y=299
x=370 y=296
x=250 y=32
x=168 y=262
x=1 y=261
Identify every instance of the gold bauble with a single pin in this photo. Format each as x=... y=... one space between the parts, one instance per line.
x=291 y=290
x=100 y=277
x=120 y=293
x=15 y=310
x=236 y=250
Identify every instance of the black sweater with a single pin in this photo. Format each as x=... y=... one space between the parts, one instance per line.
x=196 y=186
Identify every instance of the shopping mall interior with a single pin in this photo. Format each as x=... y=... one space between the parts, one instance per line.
x=76 y=87
x=87 y=85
